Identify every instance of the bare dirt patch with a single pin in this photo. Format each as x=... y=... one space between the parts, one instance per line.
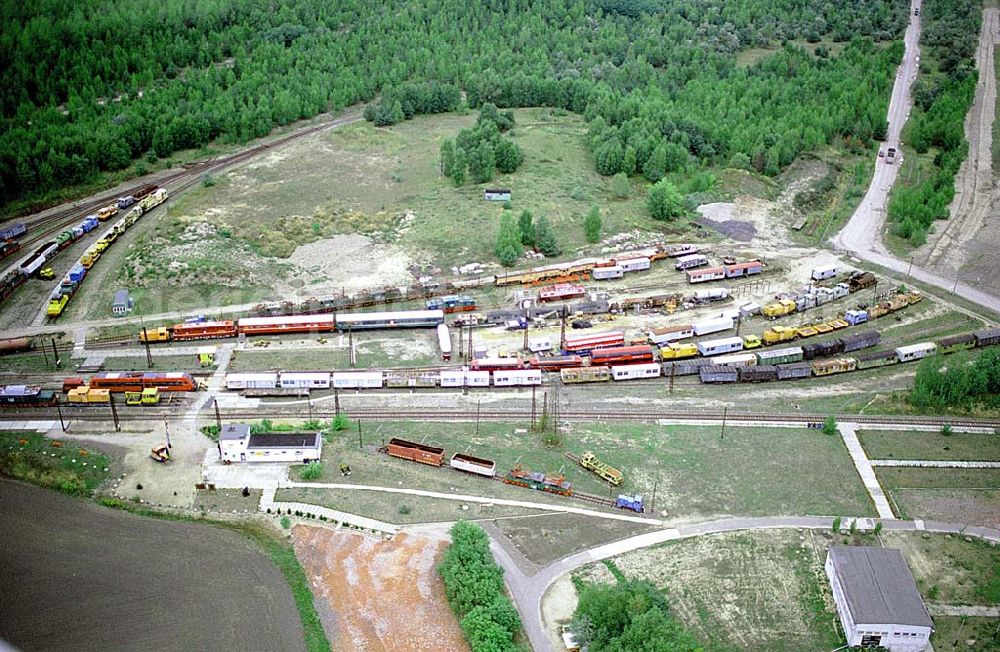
x=971 y=506
x=351 y=262
x=82 y=577
x=380 y=595
x=546 y=538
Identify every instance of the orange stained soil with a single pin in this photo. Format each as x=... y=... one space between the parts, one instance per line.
x=382 y=595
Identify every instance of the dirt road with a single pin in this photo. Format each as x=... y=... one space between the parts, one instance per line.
x=973 y=220
x=862 y=235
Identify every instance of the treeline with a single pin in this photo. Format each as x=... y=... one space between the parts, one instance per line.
x=961 y=381
x=626 y=616
x=474 y=585
x=91 y=85
x=941 y=102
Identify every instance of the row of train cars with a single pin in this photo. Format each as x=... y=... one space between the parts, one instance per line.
x=36 y=264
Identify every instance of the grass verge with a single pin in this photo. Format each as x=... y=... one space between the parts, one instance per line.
x=63 y=466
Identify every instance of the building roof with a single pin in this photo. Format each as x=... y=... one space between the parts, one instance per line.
x=878 y=586
x=121 y=297
x=285 y=440
x=234 y=431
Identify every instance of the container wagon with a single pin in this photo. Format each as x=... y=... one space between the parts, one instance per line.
x=873 y=359
x=517 y=378
x=717 y=347
x=474 y=465
x=444 y=341
x=356 y=379
x=780 y=356
x=464 y=378
x=956 y=343
x=836 y=366
x=865 y=340
x=690 y=262
x=718 y=374
x=704 y=275
x=607 y=273
x=252 y=381
x=304 y=380
x=822 y=349
x=634 y=264
x=758 y=373
x=915 y=351
x=585 y=375
x=794 y=370
x=401 y=319
x=408 y=450
x=634 y=371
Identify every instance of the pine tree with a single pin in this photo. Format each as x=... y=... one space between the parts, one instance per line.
x=620 y=187
x=665 y=201
x=458 y=167
x=592 y=225
x=526 y=227
x=545 y=239
x=508 y=155
x=447 y=157
x=508 y=243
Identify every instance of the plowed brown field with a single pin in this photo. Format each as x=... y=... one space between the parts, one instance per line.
x=379 y=595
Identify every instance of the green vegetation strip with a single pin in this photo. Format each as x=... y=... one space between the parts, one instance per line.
x=921 y=445
x=968 y=380
x=64 y=466
x=474 y=585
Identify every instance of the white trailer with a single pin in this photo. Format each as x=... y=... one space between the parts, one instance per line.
x=736 y=360
x=717 y=347
x=633 y=371
x=539 y=344
x=915 y=351
x=251 y=381
x=357 y=379
x=634 y=264
x=823 y=273
x=608 y=273
x=715 y=294
x=517 y=378
x=667 y=334
x=299 y=379
x=689 y=262
x=713 y=326
x=444 y=341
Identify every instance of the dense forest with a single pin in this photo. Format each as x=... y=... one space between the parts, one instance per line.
x=91 y=85
x=942 y=96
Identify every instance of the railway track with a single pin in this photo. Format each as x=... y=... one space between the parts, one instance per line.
x=102 y=413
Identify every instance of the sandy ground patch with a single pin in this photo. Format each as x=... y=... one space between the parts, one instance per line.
x=558 y=606
x=351 y=262
x=379 y=595
x=972 y=506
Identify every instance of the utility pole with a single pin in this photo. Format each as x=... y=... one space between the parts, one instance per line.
x=359 y=435
x=114 y=412
x=461 y=342
x=59 y=410
x=725 y=410
x=350 y=347
x=909 y=268
x=525 y=345
x=145 y=341
x=562 y=332
x=673 y=372
x=479 y=406
x=55 y=352
x=166 y=429
x=533 y=405
x=955 y=287
x=336 y=401
x=45 y=354
x=468 y=350
x=652 y=504
x=218 y=417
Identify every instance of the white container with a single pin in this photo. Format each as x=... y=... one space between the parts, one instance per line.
x=477 y=379
x=752 y=308
x=297 y=379
x=661 y=336
x=539 y=344
x=444 y=341
x=452 y=377
x=736 y=360
x=915 y=351
x=357 y=379
x=607 y=273
x=823 y=273
x=688 y=262
x=732 y=313
x=517 y=378
x=714 y=294
x=633 y=371
x=634 y=264
x=717 y=347
x=251 y=381
x=713 y=326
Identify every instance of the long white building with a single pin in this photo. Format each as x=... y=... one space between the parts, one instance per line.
x=877 y=599
x=237 y=444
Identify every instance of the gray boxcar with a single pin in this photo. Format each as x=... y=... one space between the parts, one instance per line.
x=758 y=373
x=876 y=359
x=821 y=349
x=718 y=374
x=987 y=337
x=794 y=370
x=684 y=367
x=865 y=340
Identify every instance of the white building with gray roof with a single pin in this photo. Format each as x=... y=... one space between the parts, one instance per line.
x=877 y=599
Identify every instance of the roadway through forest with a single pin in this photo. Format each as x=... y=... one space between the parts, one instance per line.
x=862 y=236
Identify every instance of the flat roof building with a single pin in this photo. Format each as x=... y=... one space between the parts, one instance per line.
x=877 y=599
x=238 y=444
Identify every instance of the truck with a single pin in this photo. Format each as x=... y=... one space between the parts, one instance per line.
x=890 y=155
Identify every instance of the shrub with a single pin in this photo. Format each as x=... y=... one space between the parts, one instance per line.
x=664 y=201
x=339 y=422
x=592 y=225
x=830 y=425
x=620 y=186
x=286 y=522
x=313 y=471
x=836 y=524
x=946 y=430
x=404 y=509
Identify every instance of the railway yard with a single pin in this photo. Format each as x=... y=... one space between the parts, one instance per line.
x=660 y=385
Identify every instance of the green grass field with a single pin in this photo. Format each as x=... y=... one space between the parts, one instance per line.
x=968 y=496
x=918 y=445
x=753 y=471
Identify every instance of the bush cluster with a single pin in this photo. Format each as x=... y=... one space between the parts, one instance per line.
x=479 y=152
x=964 y=382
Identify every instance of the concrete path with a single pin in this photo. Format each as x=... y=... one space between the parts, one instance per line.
x=975 y=611
x=938 y=464
x=37 y=426
x=267 y=501
x=848 y=431
x=529 y=590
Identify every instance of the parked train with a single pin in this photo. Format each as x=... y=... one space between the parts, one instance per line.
x=35 y=264
x=9 y=244
x=517 y=476
x=319 y=323
x=117 y=382
x=15 y=396
x=63 y=292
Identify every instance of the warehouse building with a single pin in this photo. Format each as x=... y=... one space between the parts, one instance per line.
x=238 y=444
x=877 y=599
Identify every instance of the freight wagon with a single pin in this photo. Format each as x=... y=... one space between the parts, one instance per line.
x=288 y=324
x=496 y=364
x=451 y=304
x=403 y=319
x=987 y=337
x=560 y=292
x=556 y=362
x=663 y=335
x=705 y=296
x=835 y=366
x=779 y=356
x=539 y=344
x=464 y=378
x=718 y=374
x=956 y=343
x=205 y=330
x=412 y=379
x=717 y=347
x=682 y=250
x=13 y=231
x=704 y=275
x=252 y=381
x=15 y=345
x=585 y=375
x=794 y=371
x=757 y=373
x=633 y=371
x=736 y=360
x=409 y=450
x=26 y=396
x=304 y=380
x=444 y=341
x=856 y=317
x=823 y=273
x=555 y=484
x=915 y=351
x=865 y=340
x=585 y=343
x=744 y=269
x=356 y=379
x=822 y=349
x=622 y=355
x=608 y=273
x=474 y=465
x=685 y=368
x=873 y=359
x=634 y=264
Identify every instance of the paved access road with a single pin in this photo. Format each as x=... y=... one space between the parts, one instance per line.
x=862 y=235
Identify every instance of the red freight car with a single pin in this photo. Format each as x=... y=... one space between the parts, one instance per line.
x=136 y=382
x=204 y=330
x=409 y=450
x=289 y=324
x=496 y=364
x=591 y=341
x=560 y=292
x=622 y=355
x=555 y=362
